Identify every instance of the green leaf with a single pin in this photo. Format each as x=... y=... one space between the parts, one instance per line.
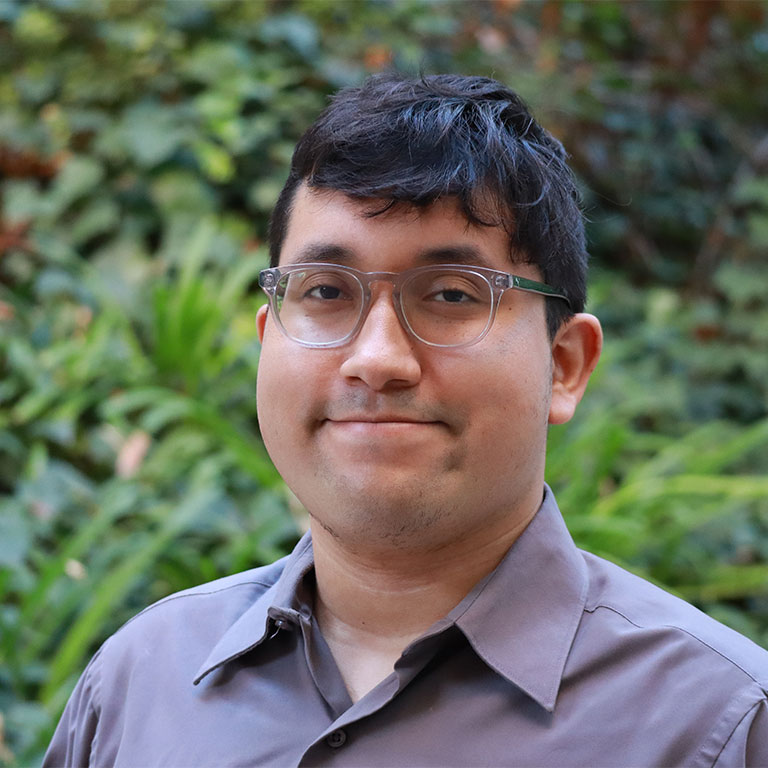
x=79 y=176
x=153 y=132
x=113 y=587
x=15 y=534
x=292 y=28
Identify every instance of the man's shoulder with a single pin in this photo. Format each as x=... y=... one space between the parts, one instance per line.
x=226 y=597
x=191 y=621
x=153 y=660
x=642 y=608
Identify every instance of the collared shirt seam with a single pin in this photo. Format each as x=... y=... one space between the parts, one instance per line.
x=735 y=728
x=171 y=598
x=95 y=685
x=757 y=682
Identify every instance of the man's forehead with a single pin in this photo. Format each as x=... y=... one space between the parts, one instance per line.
x=333 y=253
x=384 y=208
x=438 y=233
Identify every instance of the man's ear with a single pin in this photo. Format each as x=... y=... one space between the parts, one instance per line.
x=575 y=352
x=261 y=320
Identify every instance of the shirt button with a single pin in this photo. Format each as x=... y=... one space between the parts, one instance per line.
x=336 y=739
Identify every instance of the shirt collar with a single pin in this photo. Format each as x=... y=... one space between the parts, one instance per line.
x=521 y=619
x=278 y=603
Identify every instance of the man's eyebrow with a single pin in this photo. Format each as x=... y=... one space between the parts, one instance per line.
x=322 y=252
x=339 y=254
x=453 y=254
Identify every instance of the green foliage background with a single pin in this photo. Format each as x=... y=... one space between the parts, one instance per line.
x=142 y=145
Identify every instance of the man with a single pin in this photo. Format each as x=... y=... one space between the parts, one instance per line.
x=424 y=328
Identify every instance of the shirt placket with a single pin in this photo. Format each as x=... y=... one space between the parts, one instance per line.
x=331 y=745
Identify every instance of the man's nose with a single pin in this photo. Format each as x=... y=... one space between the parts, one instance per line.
x=383 y=354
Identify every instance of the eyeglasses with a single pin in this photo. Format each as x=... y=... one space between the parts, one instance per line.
x=446 y=305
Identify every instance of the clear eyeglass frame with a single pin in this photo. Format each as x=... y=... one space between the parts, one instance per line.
x=498 y=283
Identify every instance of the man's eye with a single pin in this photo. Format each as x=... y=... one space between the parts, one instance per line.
x=453 y=296
x=324 y=292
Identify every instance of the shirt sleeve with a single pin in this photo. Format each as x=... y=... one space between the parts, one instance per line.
x=75 y=736
x=748 y=744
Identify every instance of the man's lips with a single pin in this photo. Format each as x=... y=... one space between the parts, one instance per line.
x=402 y=415
x=380 y=419
x=381 y=425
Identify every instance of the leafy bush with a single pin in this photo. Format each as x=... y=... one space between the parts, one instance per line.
x=142 y=145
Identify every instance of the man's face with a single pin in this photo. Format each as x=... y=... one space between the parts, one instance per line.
x=387 y=438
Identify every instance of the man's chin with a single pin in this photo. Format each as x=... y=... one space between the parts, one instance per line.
x=395 y=513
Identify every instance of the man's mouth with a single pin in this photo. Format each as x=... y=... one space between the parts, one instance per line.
x=385 y=415
x=384 y=418
x=381 y=426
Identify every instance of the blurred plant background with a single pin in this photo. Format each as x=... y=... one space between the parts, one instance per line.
x=142 y=145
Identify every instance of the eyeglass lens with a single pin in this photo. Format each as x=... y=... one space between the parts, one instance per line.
x=322 y=305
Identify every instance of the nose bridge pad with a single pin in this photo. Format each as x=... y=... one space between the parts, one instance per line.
x=394 y=303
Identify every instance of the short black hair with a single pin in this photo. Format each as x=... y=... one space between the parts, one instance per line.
x=412 y=141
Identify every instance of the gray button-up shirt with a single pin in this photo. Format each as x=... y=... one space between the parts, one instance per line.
x=558 y=658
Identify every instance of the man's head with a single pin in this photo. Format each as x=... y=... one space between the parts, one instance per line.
x=390 y=438
x=410 y=142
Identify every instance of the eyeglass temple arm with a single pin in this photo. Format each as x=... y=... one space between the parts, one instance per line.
x=524 y=284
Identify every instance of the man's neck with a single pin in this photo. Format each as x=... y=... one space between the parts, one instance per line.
x=371 y=603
